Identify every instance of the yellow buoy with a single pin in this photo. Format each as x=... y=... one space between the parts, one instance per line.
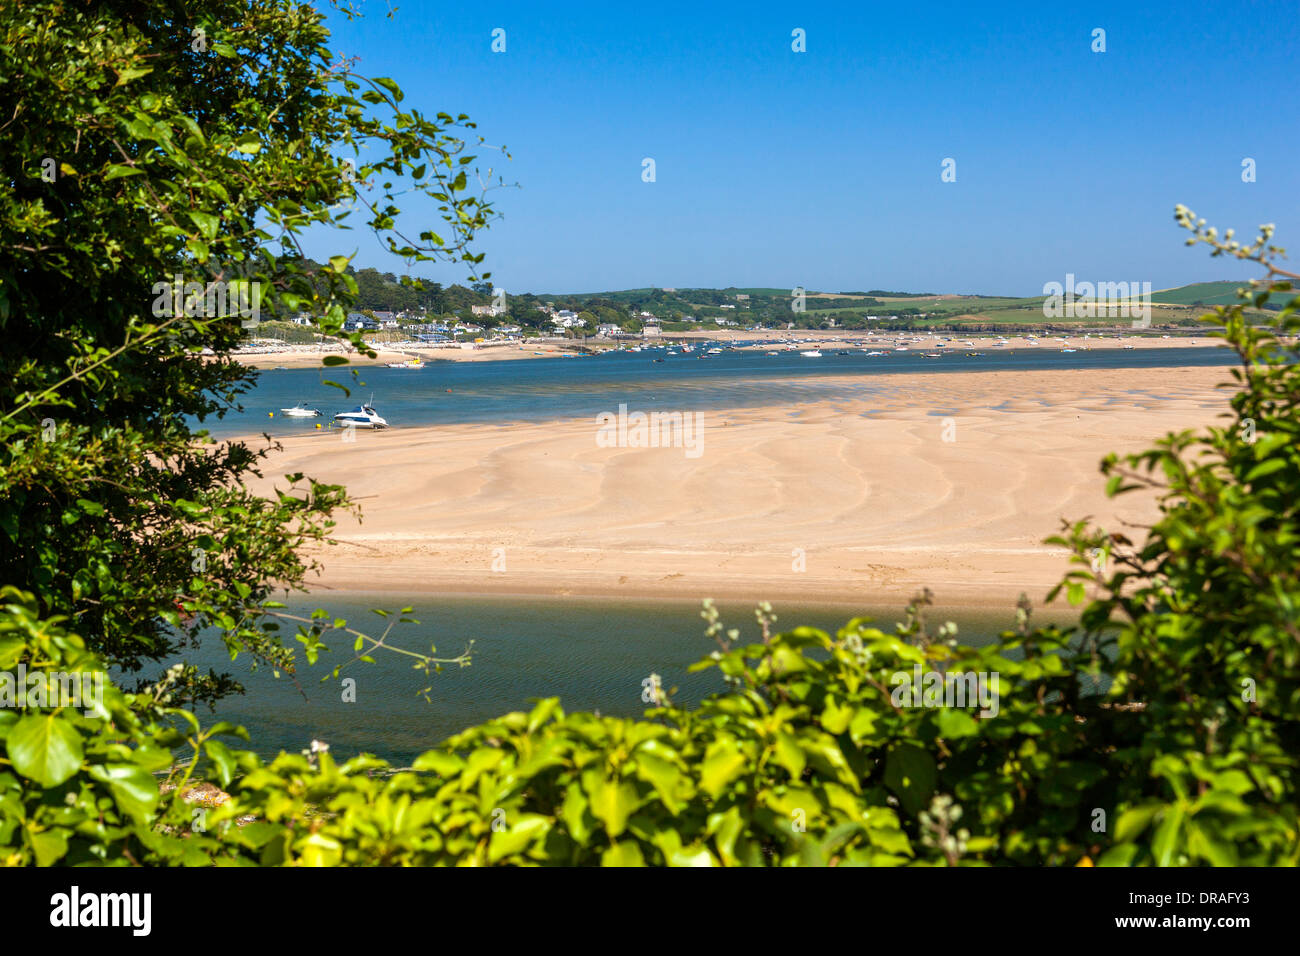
x=270 y=414
x=318 y=424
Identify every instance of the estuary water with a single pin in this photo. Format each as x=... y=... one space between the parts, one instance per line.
x=554 y=388
x=592 y=654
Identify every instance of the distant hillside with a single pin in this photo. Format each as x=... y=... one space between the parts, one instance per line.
x=1210 y=294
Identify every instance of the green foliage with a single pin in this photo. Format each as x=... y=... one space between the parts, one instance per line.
x=142 y=142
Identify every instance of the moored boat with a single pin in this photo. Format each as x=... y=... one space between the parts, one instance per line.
x=363 y=416
x=301 y=410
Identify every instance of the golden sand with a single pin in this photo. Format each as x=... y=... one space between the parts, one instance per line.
x=831 y=501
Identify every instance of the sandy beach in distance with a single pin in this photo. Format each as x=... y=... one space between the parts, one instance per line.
x=851 y=501
x=310 y=356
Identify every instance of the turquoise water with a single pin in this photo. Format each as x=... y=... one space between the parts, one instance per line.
x=549 y=389
x=593 y=654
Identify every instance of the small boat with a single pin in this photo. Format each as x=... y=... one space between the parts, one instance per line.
x=933 y=354
x=813 y=353
x=902 y=348
x=841 y=353
x=1129 y=346
x=410 y=363
x=363 y=416
x=972 y=354
x=875 y=353
x=301 y=410
x=715 y=351
x=657 y=360
x=281 y=368
x=1069 y=350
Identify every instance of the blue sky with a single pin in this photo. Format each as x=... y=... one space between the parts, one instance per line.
x=822 y=169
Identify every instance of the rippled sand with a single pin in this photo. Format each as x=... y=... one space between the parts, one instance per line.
x=863 y=494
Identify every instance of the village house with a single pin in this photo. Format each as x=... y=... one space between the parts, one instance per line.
x=357 y=322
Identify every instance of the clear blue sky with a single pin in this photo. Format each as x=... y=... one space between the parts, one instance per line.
x=822 y=169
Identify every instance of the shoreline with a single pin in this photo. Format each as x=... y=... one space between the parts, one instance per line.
x=307 y=356
x=858 y=501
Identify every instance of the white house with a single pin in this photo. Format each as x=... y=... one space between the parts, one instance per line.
x=566 y=319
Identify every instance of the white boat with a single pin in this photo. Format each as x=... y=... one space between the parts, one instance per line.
x=812 y=353
x=363 y=416
x=301 y=410
x=409 y=363
x=715 y=351
x=901 y=348
x=875 y=353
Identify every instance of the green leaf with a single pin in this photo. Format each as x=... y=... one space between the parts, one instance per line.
x=910 y=774
x=623 y=853
x=1132 y=822
x=789 y=754
x=223 y=759
x=391 y=87
x=48 y=845
x=611 y=803
x=723 y=763
x=134 y=789
x=117 y=172
x=206 y=222
x=1166 y=839
x=45 y=748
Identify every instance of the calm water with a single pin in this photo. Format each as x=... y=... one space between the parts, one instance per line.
x=548 y=389
x=592 y=654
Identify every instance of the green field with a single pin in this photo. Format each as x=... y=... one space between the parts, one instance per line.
x=1212 y=293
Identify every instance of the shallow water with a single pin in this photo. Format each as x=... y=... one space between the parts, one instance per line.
x=593 y=654
x=549 y=389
